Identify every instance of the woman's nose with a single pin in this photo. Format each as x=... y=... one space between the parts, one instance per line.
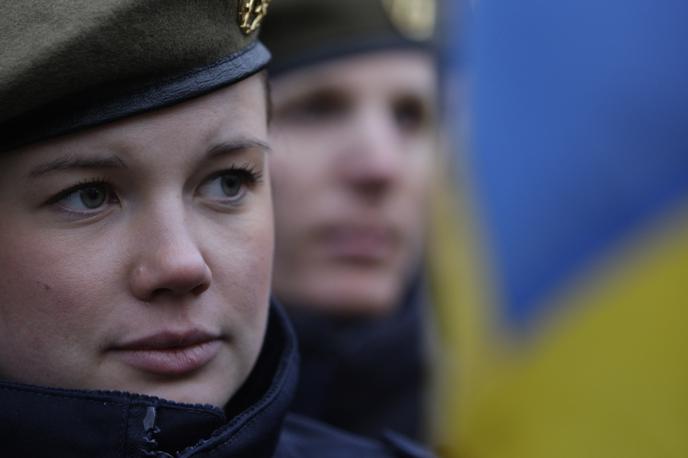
x=169 y=264
x=374 y=161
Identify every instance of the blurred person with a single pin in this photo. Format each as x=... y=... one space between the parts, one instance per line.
x=137 y=239
x=569 y=339
x=353 y=87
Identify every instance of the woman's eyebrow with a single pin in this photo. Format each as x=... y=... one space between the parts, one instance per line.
x=75 y=162
x=237 y=146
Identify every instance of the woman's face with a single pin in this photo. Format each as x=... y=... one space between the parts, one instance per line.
x=137 y=256
x=355 y=144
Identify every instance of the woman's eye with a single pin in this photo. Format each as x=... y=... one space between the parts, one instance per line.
x=319 y=107
x=93 y=197
x=87 y=198
x=410 y=114
x=229 y=186
x=323 y=107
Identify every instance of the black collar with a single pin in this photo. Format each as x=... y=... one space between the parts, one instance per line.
x=42 y=422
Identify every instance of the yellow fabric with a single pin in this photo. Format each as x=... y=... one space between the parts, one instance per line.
x=606 y=377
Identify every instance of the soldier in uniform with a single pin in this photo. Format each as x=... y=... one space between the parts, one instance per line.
x=137 y=238
x=353 y=87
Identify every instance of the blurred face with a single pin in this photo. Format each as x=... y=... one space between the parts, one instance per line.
x=350 y=176
x=136 y=256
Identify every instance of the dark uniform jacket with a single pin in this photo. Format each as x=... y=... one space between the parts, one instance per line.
x=367 y=376
x=41 y=422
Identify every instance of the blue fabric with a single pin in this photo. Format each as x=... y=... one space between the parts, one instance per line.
x=565 y=94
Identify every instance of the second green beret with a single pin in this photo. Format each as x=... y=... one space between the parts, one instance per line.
x=299 y=32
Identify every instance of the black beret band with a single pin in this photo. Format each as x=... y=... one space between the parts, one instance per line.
x=351 y=47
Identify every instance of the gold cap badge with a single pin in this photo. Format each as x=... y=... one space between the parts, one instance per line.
x=251 y=14
x=413 y=18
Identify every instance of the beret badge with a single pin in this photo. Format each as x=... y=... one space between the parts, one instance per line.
x=413 y=18
x=251 y=14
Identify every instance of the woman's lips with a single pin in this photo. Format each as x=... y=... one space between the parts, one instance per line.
x=359 y=244
x=170 y=354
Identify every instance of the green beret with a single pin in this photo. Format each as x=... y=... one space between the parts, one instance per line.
x=300 y=32
x=71 y=64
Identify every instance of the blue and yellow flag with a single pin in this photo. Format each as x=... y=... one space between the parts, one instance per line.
x=569 y=335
